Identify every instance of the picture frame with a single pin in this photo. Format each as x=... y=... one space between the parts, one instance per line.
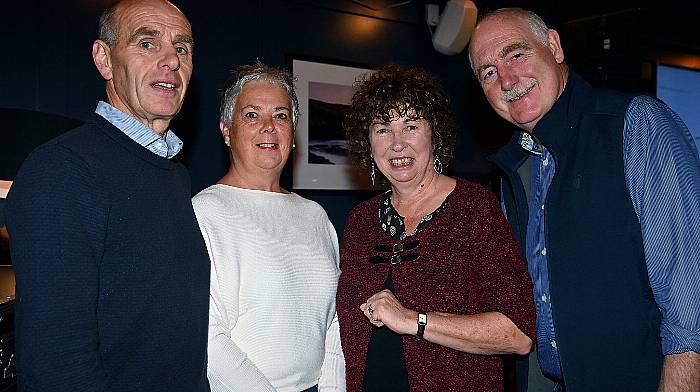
x=321 y=159
x=4 y=188
x=4 y=237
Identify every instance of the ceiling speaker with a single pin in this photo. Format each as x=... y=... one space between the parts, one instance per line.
x=454 y=26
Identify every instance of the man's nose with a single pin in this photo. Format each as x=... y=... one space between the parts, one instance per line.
x=170 y=59
x=507 y=77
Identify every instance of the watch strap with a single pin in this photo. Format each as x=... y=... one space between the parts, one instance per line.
x=422 y=322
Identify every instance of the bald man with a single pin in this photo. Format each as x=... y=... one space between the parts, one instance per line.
x=112 y=271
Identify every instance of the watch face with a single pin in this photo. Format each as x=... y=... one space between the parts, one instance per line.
x=422 y=318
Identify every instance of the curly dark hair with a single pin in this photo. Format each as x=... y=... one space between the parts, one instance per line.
x=402 y=89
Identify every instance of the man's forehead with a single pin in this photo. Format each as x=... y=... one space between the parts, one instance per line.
x=497 y=42
x=184 y=36
x=151 y=17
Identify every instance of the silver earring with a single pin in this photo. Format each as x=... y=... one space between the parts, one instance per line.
x=372 y=174
x=227 y=142
x=437 y=165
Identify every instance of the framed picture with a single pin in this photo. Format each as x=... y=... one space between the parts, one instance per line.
x=4 y=188
x=321 y=156
x=4 y=236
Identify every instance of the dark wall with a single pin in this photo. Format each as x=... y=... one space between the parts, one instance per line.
x=47 y=66
x=50 y=67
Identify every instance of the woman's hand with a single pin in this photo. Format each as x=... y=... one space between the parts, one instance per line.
x=383 y=309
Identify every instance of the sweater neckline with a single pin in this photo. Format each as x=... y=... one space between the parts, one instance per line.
x=130 y=145
x=252 y=191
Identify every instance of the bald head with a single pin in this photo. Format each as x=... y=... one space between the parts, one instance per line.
x=109 y=24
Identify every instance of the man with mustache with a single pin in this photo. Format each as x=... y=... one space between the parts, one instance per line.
x=112 y=270
x=602 y=190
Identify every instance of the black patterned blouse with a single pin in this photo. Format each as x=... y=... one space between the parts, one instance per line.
x=385 y=369
x=393 y=223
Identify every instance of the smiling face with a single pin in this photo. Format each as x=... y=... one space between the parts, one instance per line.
x=261 y=133
x=149 y=67
x=402 y=149
x=521 y=77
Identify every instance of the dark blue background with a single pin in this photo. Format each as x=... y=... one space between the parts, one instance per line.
x=47 y=65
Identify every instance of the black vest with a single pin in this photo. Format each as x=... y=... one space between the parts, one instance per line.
x=606 y=319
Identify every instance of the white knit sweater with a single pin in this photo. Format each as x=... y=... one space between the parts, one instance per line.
x=274 y=272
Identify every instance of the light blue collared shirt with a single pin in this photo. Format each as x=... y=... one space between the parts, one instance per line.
x=140 y=133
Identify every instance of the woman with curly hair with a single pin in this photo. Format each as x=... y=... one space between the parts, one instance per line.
x=433 y=287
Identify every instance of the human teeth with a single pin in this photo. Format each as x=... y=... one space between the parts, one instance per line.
x=401 y=162
x=267 y=145
x=165 y=85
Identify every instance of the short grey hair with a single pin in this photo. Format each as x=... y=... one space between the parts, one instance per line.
x=109 y=31
x=245 y=74
x=537 y=26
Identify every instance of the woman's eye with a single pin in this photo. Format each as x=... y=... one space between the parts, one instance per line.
x=251 y=115
x=411 y=128
x=282 y=116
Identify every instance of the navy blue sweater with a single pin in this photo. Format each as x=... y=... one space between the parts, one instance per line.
x=111 y=268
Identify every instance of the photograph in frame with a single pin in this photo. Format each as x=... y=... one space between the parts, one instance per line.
x=4 y=236
x=321 y=158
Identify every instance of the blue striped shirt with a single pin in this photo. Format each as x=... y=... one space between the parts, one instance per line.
x=165 y=147
x=543 y=168
x=662 y=171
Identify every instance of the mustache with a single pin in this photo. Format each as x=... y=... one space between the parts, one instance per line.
x=518 y=91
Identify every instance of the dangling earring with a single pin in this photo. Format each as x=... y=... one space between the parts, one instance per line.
x=372 y=174
x=437 y=165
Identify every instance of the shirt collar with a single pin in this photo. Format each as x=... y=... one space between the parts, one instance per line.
x=145 y=136
x=530 y=143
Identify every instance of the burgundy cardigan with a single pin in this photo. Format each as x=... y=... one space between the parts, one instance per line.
x=468 y=262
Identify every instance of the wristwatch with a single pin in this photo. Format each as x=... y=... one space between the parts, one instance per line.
x=422 y=322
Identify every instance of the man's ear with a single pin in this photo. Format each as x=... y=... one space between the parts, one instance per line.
x=101 y=55
x=555 y=46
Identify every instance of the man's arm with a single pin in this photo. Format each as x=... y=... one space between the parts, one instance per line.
x=662 y=169
x=56 y=219
x=681 y=372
